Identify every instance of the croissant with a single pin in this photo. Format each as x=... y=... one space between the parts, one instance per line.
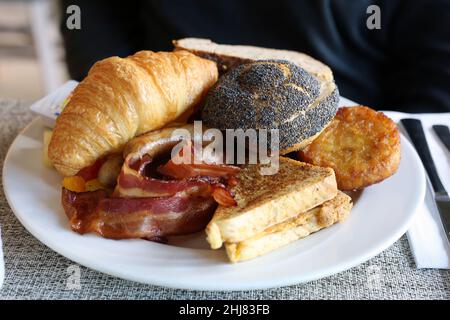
x=123 y=97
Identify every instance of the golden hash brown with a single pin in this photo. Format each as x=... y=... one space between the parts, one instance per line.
x=360 y=144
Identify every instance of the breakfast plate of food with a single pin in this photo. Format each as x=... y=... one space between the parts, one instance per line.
x=141 y=175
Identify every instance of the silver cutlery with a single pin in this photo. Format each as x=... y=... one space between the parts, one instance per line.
x=441 y=197
x=443 y=133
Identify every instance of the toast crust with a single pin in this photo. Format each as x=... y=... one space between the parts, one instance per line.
x=323 y=216
x=263 y=201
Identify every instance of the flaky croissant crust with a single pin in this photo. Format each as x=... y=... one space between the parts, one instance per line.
x=124 y=97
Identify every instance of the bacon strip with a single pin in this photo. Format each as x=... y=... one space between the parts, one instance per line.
x=223 y=197
x=200 y=179
x=91 y=172
x=124 y=218
x=178 y=199
x=181 y=171
x=130 y=185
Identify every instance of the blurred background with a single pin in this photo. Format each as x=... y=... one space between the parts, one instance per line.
x=394 y=59
x=31 y=53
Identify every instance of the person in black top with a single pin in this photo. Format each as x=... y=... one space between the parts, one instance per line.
x=404 y=65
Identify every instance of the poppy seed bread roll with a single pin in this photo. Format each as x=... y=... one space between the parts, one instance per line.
x=272 y=94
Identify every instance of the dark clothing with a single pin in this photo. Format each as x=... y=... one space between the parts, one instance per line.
x=403 y=66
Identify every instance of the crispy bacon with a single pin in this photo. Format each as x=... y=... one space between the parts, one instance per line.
x=186 y=178
x=130 y=185
x=123 y=218
x=91 y=172
x=151 y=201
x=223 y=197
x=181 y=171
x=133 y=182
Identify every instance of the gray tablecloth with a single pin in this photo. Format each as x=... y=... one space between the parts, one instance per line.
x=35 y=272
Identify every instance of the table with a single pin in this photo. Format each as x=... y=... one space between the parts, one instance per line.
x=33 y=271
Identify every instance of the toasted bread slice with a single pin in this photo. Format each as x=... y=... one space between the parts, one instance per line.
x=229 y=56
x=323 y=216
x=266 y=200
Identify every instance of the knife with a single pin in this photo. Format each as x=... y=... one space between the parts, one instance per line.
x=441 y=197
x=443 y=133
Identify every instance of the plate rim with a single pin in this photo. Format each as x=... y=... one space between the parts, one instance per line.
x=255 y=285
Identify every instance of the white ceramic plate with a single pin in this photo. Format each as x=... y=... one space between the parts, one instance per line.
x=380 y=216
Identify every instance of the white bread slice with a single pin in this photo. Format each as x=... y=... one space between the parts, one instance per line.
x=323 y=216
x=266 y=200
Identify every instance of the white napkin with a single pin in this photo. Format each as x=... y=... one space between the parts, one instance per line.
x=426 y=236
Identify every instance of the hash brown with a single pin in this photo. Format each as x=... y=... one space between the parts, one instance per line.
x=361 y=145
